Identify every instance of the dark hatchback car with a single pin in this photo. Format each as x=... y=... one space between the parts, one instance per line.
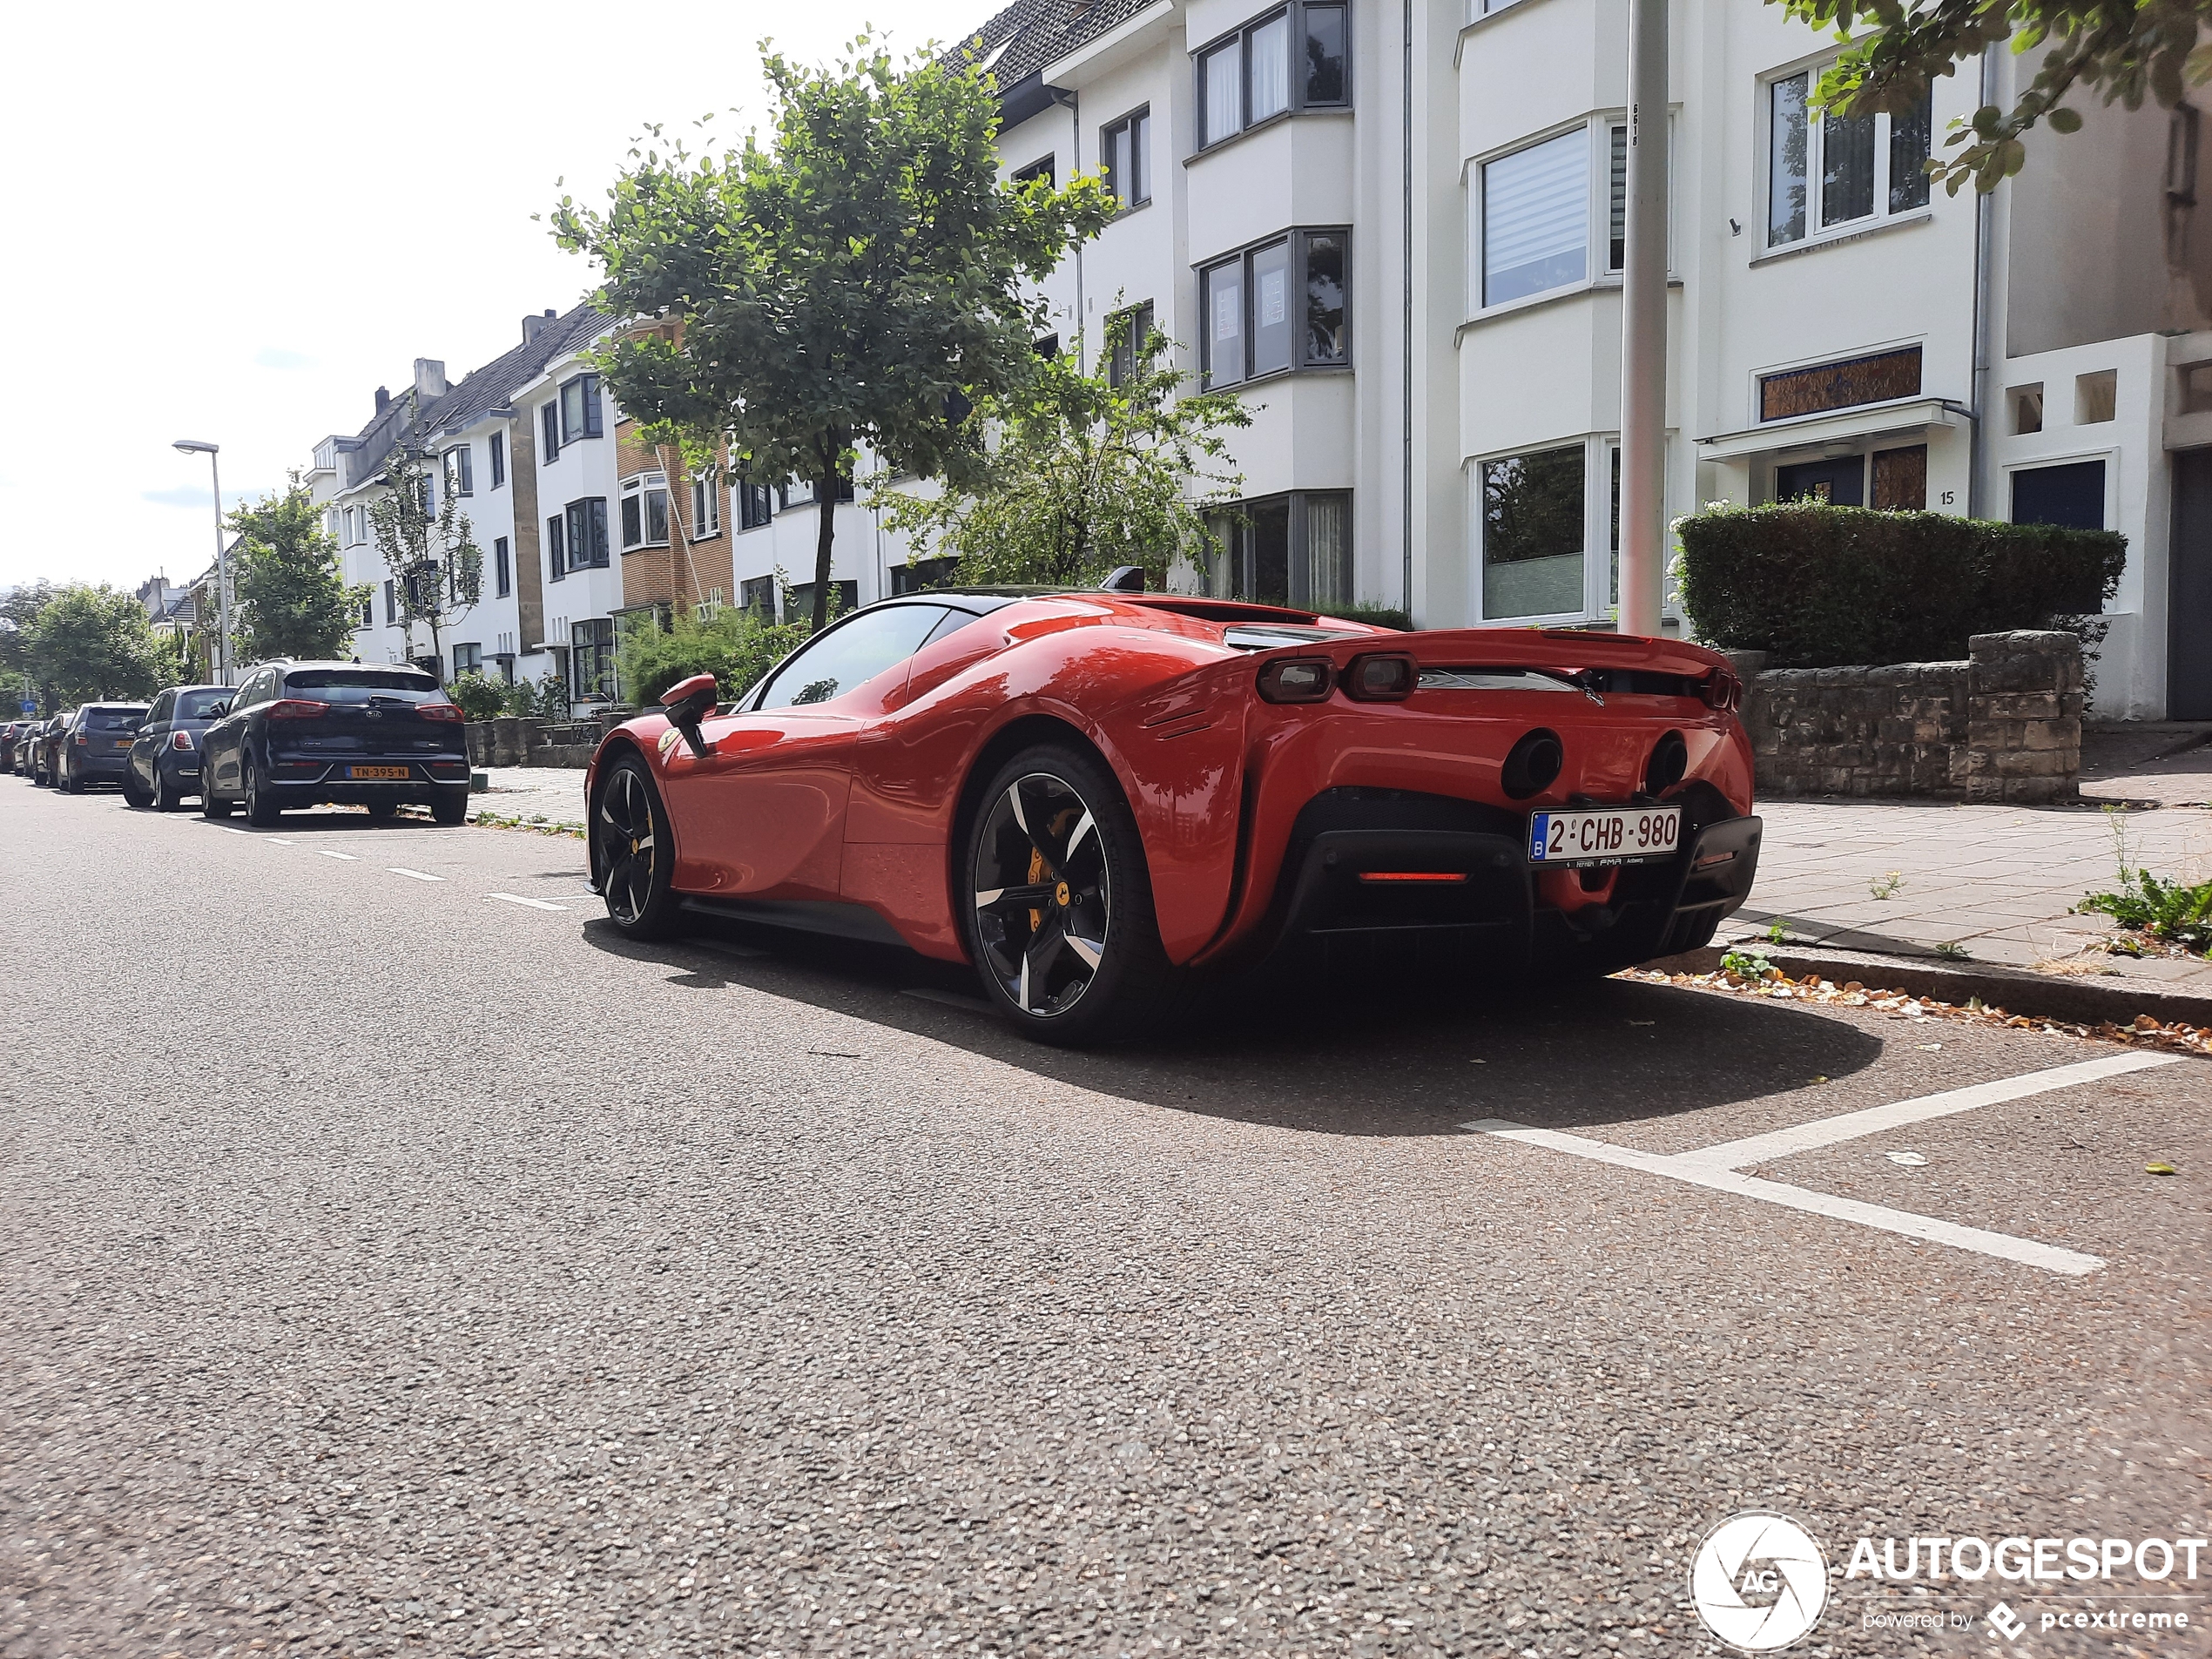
x=45 y=744
x=163 y=766
x=307 y=734
x=9 y=734
x=96 y=742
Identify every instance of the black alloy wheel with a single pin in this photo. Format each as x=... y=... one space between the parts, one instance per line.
x=262 y=808
x=1058 y=904
x=632 y=852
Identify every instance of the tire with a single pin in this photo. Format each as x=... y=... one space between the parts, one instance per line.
x=211 y=804
x=633 y=853
x=383 y=811
x=261 y=809
x=165 y=797
x=1056 y=903
x=450 y=807
x=132 y=795
x=72 y=780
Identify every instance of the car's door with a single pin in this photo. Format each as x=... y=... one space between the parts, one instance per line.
x=154 y=731
x=227 y=738
x=762 y=812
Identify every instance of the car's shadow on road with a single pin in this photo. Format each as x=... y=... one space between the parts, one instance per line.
x=1380 y=1053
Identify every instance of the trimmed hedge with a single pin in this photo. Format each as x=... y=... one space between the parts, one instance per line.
x=1821 y=586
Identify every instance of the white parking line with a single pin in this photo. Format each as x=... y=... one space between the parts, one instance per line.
x=1717 y=1168
x=228 y=830
x=328 y=853
x=278 y=840
x=535 y=904
x=418 y=875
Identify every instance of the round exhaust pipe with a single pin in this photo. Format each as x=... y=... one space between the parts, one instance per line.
x=1532 y=765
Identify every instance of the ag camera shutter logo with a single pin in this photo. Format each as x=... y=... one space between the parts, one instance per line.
x=1759 y=1582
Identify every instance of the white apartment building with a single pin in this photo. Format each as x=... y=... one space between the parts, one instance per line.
x=501 y=441
x=1397 y=227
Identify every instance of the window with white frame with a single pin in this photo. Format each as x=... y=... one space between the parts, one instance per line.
x=1539 y=203
x=644 y=510
x=1828 y=172
x=706 y=505
x=1125 y=151
x=1293 y=549
x=1549 y=525
x=1294 y=58
x=461 y=472
x=1283 y=304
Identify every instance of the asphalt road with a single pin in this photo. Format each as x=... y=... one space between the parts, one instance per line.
x=393 y=1268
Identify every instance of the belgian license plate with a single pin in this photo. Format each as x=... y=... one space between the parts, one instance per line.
x=1624 y=835
x=383 y=774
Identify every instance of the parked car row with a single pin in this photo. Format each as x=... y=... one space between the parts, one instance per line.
x=294 y=734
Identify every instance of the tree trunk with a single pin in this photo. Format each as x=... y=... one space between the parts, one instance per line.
x=824 y=536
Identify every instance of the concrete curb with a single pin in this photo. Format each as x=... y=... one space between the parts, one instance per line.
x=2087 y=1002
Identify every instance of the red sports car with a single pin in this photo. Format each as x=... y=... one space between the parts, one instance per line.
x=1090 y=796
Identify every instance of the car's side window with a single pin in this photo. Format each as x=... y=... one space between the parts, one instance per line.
x=850 y=654
x=162 y=705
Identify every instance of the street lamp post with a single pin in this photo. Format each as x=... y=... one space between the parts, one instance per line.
x=192 y=447
x=1643 y=329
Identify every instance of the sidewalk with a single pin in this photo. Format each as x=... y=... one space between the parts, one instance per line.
x=1998 y=882
x=551 y=794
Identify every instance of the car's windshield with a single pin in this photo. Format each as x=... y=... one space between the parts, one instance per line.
x=360 y=684
x=199 y=705
x=122 y=719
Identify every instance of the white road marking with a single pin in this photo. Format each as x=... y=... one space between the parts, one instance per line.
x=1688 y=1169
x=278 y=840
x=950 y=999
x=535 y=904
x=1850 y=1126
x=228 y=830
x=417 y=875
x=328 y=853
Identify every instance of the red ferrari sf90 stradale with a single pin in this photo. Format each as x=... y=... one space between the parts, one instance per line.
x=1090 y=796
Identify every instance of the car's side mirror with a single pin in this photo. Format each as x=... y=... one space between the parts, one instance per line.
x=687 y=703
x=217 y=711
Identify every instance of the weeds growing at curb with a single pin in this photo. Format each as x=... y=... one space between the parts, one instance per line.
x=1887 y=885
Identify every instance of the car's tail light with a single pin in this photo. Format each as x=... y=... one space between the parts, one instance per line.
x=297 y=708
x=180 y=740
x=1381 y=678
x=438 y=712
x=1721 y=690
x=1430 y=877
x=1296 y=679
x=82 y=740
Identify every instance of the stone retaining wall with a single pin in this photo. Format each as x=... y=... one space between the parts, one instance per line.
x=508 y=741
x=2003 y=725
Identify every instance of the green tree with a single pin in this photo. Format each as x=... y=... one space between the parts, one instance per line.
x=91 y=643
x=291 y=598
x=2125 y=49
x=736 y=647
x=18 y=611
x=437 y=569
x=1082 y=476
x=859 y=281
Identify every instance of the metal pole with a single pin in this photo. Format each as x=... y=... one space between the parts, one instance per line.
x=1643 y=327
x=222 y=576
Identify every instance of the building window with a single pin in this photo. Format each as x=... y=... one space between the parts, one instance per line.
x=587 y=536
x=1834 y=171
x=754 y=506
x=1879 y=377
x=799 y=600
x=1251 y=326
x=1125 y=149
x=1901 y=479
x=580 y=408
x=556 y=558
x=552 y=422
x=917 y=574
x=644 y=510
x=503 y=568
x=706 y=505
x=1290 y=550
x=498 y=459
x=391 y=604
x=2072 y=495
x=757 y=595
x=468 y=659
x=368 y=611
x=461 y=472
x=1255 y=74
x=1044 y=169
x=1534 y=533
x=1535 y=219
x=591 y=659
x=1126 y=332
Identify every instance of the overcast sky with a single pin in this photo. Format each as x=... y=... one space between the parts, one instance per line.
x=235 y=221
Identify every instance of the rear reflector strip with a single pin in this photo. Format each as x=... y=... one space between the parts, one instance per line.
x=1438 y=876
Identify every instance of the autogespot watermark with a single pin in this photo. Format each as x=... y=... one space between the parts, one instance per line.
x=1759 y=1580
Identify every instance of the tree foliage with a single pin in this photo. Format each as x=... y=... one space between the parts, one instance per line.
x=292 y=600
x=2125 y=51
x=1082 y=476
x=859 y=279
x=424 y=538
x=86 y=642
x=736 y=647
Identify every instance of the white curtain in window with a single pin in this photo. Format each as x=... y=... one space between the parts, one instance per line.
x=1535 y=218
x=1224 y=92
x=1271 y=68
x=1328 y=546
